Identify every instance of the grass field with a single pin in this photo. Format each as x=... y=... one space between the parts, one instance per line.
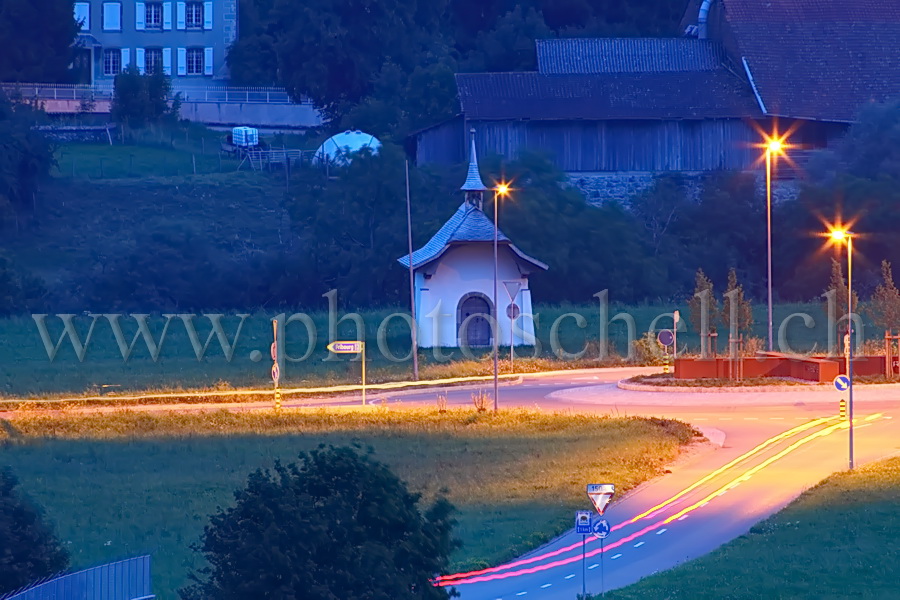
x=838 y=540
x=25 y=369
x=126 y=483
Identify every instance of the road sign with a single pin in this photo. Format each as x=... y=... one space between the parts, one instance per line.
x=842 y=383
x=513 y=311
x=346 y=347
x=276 y=373
x=273 y=350
x=666 y=337
x=512 y=289
x=582 y=521
x=600 y=528
x=600 y=495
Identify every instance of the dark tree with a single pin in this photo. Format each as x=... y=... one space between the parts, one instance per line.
x=140 y=99
x=25 y=158
x=336 y=526
x=29 y=550
x=37 y=40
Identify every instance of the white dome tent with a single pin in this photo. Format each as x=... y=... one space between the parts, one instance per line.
x=339 y=148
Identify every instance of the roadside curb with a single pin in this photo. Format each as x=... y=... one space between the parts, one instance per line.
x=643 y=387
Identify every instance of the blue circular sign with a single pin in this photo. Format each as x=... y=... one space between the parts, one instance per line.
x=842 y=383
x=666 y=337
x=600 y=528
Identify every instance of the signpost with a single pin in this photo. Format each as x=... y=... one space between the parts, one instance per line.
x=676 y=317
x=583 y=526
x=600 y=495
x=665 y=338
x=352 y=347
x=842 y=384
x=512 y=311
x=276 y=372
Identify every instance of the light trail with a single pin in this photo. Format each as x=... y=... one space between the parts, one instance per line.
x=610 y=546
x=750 y=453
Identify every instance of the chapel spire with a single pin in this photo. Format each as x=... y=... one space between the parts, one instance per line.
x=474 y=187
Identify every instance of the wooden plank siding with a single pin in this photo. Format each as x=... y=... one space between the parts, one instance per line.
x=620 y=145
x=443 y=144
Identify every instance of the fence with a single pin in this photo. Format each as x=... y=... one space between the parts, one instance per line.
x=189 y=93
x=124 y=580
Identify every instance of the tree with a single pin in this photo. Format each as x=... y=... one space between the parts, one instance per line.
x=703 y=302
x=510 y=45
x=29 y=550
x=838 y=285
x=338 y=524
x=734 y=293
x=37 y=40
x=26 y=157
x=885 y=306
x=140 y=99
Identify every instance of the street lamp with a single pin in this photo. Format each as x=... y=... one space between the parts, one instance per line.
x=839 y=236
x=774 y=146
x=501 y=189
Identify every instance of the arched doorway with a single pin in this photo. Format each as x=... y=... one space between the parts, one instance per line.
x=473 y=321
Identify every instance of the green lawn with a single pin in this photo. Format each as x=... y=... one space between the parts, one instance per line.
x=125 y=483
x=839 y=540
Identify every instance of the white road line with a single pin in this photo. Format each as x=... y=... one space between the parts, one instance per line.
x=704 y=504
x=521 y=593
x=593 y=566
x=661 y=531
x=889 y=417
x=615 y=556
x=546 y=585
x=569 y=576
x=639 y=544
x=683 y=517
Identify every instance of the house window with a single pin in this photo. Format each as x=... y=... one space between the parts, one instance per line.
x=153 y=15
x=194 y=15
x=153 y=60
x=83 y=15
x=112 y=62
x=112 y=16
x=195 y=61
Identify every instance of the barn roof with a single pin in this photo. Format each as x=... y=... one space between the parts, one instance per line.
x=468 y=224
x=627 y=55
x=667 y=95
x=819 y=59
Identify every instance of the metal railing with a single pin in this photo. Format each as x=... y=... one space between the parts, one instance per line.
x=189 y=93
x=124 y=580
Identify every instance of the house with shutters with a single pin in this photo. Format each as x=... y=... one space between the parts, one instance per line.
x=187 y=40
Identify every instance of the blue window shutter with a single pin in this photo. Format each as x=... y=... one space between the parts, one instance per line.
x=207 y=61
x=181 y=16
x=167 y=61
x=208 y=16
x=140 y=15
x=167 y=16
x=139 y=60
x=182 y=61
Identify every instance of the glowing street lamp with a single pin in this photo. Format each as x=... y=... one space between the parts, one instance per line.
x=774 y=147
x=501 y=189
x=839 y=236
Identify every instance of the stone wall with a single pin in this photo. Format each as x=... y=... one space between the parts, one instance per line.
x=621 y=186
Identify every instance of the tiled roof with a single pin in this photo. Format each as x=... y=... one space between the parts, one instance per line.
x=473 y=181
x=675 y=95
x=468 y=224
x=819 y=59
x=627 y=55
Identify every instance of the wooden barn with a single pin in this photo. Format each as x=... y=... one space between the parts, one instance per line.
x=697 y=103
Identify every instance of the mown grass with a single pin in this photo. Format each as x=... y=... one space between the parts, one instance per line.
x=123 y=483
x=838 y=540
x=26 y=371
x=670 y=381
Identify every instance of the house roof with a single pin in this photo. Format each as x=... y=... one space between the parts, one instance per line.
x=473 y=182
x=627 y=55
x=819 y=59
x=468 y=224
x=667 y=95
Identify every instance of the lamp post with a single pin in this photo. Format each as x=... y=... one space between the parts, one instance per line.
x=840 y=236
x=774 y=146
x=502 y=189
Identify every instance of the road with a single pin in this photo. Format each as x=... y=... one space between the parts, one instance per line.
x=773 y=445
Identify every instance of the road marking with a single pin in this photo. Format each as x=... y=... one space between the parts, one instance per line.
x=521 y=593
x=569 y=576
x=661 y=531
x=683 y=517
x=639 y=544
x=615 y=556
x=889 y=417
x=593 y=566
x=704 y=504
x=873 y=417
x=546 y=585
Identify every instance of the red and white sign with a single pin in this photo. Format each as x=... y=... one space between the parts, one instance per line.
x=600 y=495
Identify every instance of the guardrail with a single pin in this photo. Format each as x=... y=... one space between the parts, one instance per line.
x=189 y=93
x=124 y=580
